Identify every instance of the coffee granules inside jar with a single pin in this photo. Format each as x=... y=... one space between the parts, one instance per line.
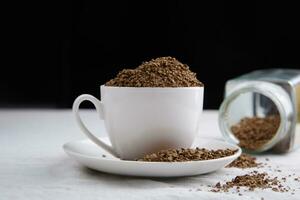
x=244 y=161
x=181 y=155
x=159 y=72
x=254 y=132
x=251 y=182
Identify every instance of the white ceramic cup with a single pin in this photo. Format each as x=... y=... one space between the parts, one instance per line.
x=144 y=120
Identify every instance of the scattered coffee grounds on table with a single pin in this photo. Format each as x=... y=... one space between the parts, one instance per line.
x=181 y=155
x=159 y=72
x=251 y=182
x=254 y=132
x=244 y=161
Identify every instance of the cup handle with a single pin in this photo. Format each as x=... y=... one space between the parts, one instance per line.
x=99 y=107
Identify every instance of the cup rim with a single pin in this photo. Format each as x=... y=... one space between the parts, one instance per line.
x=152 y=88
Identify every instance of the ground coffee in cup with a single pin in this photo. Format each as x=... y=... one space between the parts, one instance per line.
x=159 y=72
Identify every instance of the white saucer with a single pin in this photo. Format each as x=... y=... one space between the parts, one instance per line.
x=92 y=156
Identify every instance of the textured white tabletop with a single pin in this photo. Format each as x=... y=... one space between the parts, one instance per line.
x=34 y=166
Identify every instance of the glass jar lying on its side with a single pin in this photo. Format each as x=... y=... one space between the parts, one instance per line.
x=261 y=111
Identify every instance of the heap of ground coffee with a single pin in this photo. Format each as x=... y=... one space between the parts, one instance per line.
x=251 y=181
x=254 y=132
x=159 y=72
x=244 y=161
x=181 y=155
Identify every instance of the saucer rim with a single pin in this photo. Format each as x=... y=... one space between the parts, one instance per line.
x=233 y=146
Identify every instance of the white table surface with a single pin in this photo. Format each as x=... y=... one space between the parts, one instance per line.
x=34 y=166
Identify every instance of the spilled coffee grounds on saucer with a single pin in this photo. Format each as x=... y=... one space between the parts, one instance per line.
x=182 y=155
x=159 y=72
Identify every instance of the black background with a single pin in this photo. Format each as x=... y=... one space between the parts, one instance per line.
x=56 y=51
